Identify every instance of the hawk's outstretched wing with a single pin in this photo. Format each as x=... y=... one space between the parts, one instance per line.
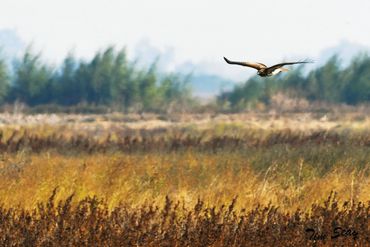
x=256 y=66
x=279 y=65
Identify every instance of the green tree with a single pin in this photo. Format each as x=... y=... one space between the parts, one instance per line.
x=33 y=80
x=102 y=78
x=175 y=92
x=148 y=88
x=357 y=76
x=67 y=89
x=248 y=94
x=107 y=79
x=325 y=83
x=4 y=80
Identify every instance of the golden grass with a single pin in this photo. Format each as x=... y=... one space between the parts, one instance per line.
x=291 y=162
x=136 y=178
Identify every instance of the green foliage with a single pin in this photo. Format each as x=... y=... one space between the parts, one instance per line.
x=109 y=79
x=32 y=81
x=4 y=80
x=357 y=75
x=148 y=89
x=325 y=83
x=253 y=91
x=67 y=91
x=175 y=92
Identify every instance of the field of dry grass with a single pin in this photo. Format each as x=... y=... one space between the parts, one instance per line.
x=173 y=180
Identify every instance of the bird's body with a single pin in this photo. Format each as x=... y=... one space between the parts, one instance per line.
x=263 y=70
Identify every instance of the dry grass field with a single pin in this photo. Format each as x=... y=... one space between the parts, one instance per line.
x=248 y=179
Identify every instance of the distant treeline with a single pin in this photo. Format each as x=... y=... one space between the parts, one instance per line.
x=331 y=83
x=109 y=79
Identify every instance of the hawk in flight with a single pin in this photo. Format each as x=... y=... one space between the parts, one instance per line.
x=263 y=70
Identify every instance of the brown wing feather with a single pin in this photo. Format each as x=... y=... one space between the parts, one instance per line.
x=247 y=64
x=265 y=66
x=279 y=65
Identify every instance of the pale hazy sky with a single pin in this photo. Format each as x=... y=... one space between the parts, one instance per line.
x=196 y=31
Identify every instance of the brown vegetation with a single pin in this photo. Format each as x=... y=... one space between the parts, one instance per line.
x=177 y=184
x=91 y=223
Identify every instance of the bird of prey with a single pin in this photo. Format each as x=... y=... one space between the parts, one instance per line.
x=263 y=70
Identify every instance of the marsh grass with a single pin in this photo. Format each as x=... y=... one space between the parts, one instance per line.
x=290 y=168
x=89 y=222
x=176 y=186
